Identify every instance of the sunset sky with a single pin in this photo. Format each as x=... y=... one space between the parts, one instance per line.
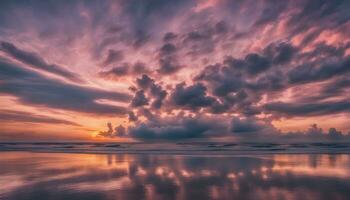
x=170 y=70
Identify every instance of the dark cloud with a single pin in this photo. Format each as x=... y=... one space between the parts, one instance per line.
x=205 y=37
x=255 y=63
x=219 y=108
x=155 y=91
x=159 y=94
x=232 y=74
x=32 y=88
x=36 y=62
x=176 y=129
x=169 y=36
x=230 y=89
x=168 y=58
x=144 y=82
x=20 y=116
x=245 y=125
x=118 y=131
x=192 y=97
x=280 y=53
x=109 y=132
x=132 y=117
x=124 y=70
x=329 y=89
x=276 y=53
x=309 y=109
x=179 y=128
x=139 y=99
x=314 y=133
x=113 y=56
x=143 y=14
x=197 y=36
x=139 y=68
x=271 y=11
x=116 y=71
x=167 y=49
x=64 y=20
x=228 y=81
x=334 y=133
x=222 y=80
x=322 y=51
x=168 y=65
x=319 y=72
x=141 y=38
x=326 y=14
x=148 y=114
x=336 y=87
x=221 y=27
x=269 y=82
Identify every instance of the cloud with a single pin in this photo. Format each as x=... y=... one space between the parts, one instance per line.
x=109 y=132
x=271 y=11
x=192 y=97
x=321 y=14
x=144 y=82
x=167 y=49
x=118 y=131
x=113 y=56
x=324 y=51
x=124 y=70
x=172 y=128
x=119 y=71
x=311 y=72
x=274 y=54
x=336 y=87
x=247 y=125
x=144 y=13
x=20 y=116
x=255 y=63
x=181 y=128
x=132 y=117
x=206 y=37
x=280 y=53
x=33 y=88
x=139 y=99
x=314 y=134
x=169 y=36
x=154 y=91
x=158 y=94
x=35 y=61
x=287 y=59
x=256 y=71
x=221 y=79
x=168 y=65
x=256 y=130
x=177 y=128
x=309 y=109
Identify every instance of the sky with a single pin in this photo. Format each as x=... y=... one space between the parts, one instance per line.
x=164 y=70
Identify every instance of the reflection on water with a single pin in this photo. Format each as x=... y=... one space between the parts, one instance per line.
x=32 y=176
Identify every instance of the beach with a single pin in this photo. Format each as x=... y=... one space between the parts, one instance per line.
x=29 y=175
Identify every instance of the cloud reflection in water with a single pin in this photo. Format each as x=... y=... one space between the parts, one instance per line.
x=29 y=176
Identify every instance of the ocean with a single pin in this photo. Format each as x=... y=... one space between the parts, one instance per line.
x=110 y=171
